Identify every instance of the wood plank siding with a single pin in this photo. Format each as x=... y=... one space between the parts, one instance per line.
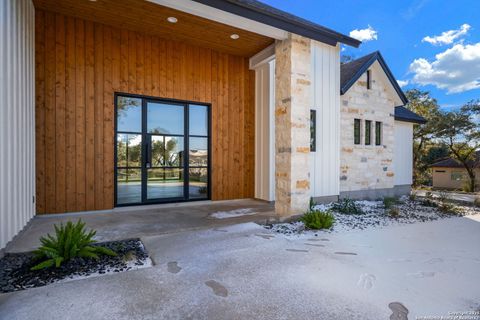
x=80 y=64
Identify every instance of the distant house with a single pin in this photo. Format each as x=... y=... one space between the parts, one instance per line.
x=450 y=174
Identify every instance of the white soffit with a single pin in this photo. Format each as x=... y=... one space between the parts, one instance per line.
x=227 y=18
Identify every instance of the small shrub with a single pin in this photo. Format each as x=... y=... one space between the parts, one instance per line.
x=394 y=212
x=443 y=196
x=476 y=202
x=317 y=219
x=389 y=202
x=412 y=196
x=347 y=206
x=449 y=208
x=70 y=241
x=311 y=204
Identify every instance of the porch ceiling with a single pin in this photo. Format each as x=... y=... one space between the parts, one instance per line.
x=146 y=17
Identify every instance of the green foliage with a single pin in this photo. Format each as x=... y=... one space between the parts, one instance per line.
x=394 y=212
x=389 y=202
x=70 y=241
x=347 y=206
x=476 y=202
x=318 y=219
x=312 y=204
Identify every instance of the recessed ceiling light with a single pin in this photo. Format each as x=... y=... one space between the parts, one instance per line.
x=234 y=36
x=172 y=19
x=92 y=0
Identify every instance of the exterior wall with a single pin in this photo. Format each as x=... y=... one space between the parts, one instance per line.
x=292 y=125
x=265 y=131
x=17 y=121
x=403 y=153
x=367 y=167
x=325 y=161
x=442 y=177
x=80 y=64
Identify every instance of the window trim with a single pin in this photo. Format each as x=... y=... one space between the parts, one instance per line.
x=369 y=79
x=313 y=130
x=368 y=132
x=378 y=133
x=357 y=135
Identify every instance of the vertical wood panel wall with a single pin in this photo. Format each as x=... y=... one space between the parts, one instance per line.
x=79 y=66
x=17 y=109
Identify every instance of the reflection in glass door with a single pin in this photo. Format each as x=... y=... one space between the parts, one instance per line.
x=162 y=151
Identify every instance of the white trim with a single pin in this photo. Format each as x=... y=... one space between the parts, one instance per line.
x=227 y=18
x=264 y=56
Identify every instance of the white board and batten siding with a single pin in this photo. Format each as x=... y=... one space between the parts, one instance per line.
x=17 y=116
x=265 y=131
x=403 y=153
x=325 y=161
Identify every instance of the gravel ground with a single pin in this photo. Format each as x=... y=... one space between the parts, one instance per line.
x=15 y=273
x=376 y=215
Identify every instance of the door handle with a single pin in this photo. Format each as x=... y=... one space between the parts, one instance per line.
x=148 y=153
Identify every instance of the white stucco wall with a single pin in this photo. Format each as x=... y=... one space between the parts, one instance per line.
x=17 y=116
x=325 y=162
x=403 y=153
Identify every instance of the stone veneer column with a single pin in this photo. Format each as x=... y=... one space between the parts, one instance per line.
x=292 y=125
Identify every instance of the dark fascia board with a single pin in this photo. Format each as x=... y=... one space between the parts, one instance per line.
x=285 y=21
x=410 y=120
x=406 y=115
x=386 y=69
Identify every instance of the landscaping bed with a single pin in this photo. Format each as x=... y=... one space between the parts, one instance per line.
x=15 y=273
x=374 y=214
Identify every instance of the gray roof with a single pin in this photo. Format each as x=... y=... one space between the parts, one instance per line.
x=260 y=12
x=452 y=163
x=406 y=115
x=351 y=71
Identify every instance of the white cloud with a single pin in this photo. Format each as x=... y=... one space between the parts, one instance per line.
x=457 y=69
x=448 y=37
x=364 y=34
x=402 y=83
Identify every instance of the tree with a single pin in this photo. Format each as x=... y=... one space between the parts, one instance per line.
x=422 y=104
x=460 y=131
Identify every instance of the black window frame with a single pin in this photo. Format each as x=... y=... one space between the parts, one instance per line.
x=369 y=79
x=368 y=132
x=378 y=133
x=313 y=130
x=187 y=136
x=357 y=131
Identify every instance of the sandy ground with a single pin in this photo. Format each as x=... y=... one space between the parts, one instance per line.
x=247 y=272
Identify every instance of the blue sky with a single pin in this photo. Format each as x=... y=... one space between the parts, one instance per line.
x=409 y=35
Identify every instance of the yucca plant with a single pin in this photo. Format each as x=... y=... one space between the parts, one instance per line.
x=318 y=219
x=347 y=206
x=71 y=240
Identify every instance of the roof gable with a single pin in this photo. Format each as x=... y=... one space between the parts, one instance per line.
x=350 y=72
x=452 y=163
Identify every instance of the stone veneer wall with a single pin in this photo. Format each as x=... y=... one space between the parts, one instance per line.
x=365 y=167
x=292 y=121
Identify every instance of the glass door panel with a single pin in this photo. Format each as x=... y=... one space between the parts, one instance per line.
x=162 y=151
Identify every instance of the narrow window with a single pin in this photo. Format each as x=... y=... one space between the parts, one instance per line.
x=356 y=131
x=368 y=132
x=313 y=130
x=369 y=79
x=378 y=133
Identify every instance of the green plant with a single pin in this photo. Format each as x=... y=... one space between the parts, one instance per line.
x=70 y=241
x=318 y=219
x=476 y=202
x=311 y=204
x=389 y=202
x=449 y=208
x=394 y=212
x=347 y=206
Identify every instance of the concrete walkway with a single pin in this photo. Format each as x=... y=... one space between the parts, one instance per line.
x=244 y=271
x=135 y=222
x=462 y=197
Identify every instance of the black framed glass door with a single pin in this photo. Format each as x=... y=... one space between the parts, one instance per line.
x=162 y=150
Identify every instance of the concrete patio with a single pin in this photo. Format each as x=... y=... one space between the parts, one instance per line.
x=142 y=221
x=228 y=269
